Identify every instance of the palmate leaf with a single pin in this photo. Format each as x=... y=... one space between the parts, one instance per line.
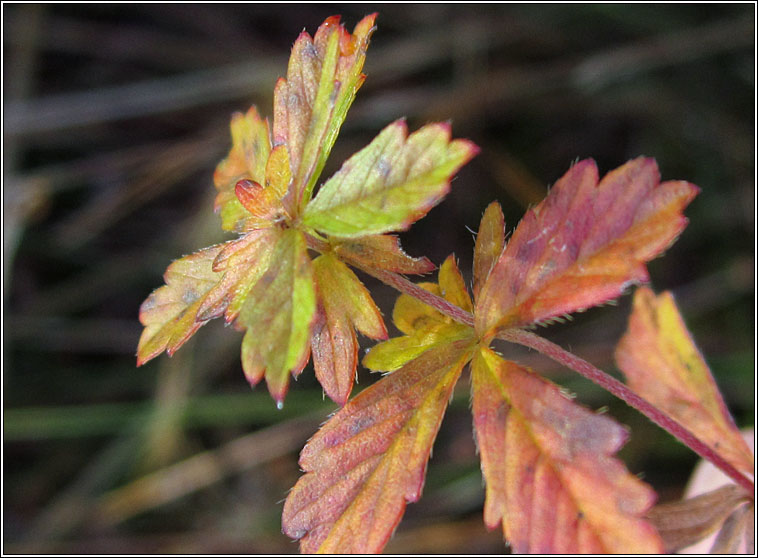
x=370 y=458
x=551 y=478
x=389 y=184
x=264 y=281
x=583 y=245
x=662 y=364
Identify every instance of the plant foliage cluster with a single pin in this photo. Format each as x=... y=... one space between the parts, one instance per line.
x=552 y=481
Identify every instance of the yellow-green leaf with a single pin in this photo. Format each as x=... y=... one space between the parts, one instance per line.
x=661 y=363
x=389 y=184
x=278 y=313
x=423 y=326
x=370 y=458
x=169 y=314
x=552 y=480
x=323 y=77
x=247 y=160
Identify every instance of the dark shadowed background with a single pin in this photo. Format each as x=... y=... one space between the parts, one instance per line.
x=114 y=119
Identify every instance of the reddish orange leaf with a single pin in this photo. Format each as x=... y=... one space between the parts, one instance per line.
x=662 y=364
x=380 y=252
x=169 y=314
x=584 y=244
x=344 y=305
x=490 y=241
x=323 y=77
x=551 y=478
x=243 y=262
x=264 y=202
x=369 y=459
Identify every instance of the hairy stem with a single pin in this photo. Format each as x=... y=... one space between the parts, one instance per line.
x=623 y=392
x=437 y=302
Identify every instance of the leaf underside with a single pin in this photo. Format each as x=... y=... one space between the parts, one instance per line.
x=548 y=466
x=686 y=522
x=370 y=458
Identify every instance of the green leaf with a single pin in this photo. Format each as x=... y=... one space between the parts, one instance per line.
x=389 y=184
x=323 y=77
x=278 y=314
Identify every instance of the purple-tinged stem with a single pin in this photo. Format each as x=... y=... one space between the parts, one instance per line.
x=623 y=392
x=437 y=302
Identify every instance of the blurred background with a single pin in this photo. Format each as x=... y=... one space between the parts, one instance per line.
x=114 y=119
